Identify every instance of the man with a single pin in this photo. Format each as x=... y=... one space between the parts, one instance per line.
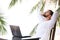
x=46 y=23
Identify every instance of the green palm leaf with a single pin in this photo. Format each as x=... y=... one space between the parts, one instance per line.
x=34 y=7
x=2 y=24
x=58 y=10
x=41 y=3
x=2 y=29
x=13 y=2
x=33 y=31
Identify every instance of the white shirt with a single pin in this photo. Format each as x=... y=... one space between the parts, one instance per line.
x=44 y=27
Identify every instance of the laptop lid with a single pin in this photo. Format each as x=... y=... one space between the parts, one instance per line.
x=15 y=31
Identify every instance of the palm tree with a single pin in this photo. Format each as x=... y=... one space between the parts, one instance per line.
x=2 y=24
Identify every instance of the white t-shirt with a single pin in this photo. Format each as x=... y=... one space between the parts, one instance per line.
x=44 y=27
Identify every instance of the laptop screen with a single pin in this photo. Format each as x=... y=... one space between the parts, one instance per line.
x=15 y=31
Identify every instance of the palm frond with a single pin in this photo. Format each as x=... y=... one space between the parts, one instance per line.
x=40 y=4
x=2 y=29
x=58 y=10
x=13 y=2
x=2 y=21
x=2 y=24
x=58 y=20
x=34 y=7
x=33 y=31
x=42 y=7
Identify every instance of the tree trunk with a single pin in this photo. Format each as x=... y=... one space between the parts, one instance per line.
x=59 y=2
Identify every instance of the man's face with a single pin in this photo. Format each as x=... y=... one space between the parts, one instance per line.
x=47 y=15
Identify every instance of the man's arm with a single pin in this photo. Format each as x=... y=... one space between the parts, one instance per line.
x=39 y=14
x=54 y=18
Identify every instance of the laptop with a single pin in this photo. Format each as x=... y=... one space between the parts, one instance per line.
x=2 y=39
x=16 y=31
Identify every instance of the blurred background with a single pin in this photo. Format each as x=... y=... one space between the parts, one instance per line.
x=23 y=13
